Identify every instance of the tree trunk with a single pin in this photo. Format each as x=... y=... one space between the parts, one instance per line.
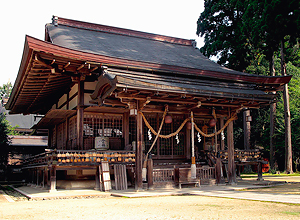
x=287 y=118
x=272 y=120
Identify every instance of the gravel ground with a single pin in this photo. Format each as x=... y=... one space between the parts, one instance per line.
x=167 y=207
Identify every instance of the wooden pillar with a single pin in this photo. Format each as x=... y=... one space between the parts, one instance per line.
x=46 y=177
x=188 y=142
x=37 y=177
x=150 y=173
x=218 y=170
x=52 y=178
x=97 y=178
x=126 y=128
x=259 y=172
x=193 y=160
x=216 y=139
x=80 y=115
x=221 y=139
x=231 y=175
x=139 y=151
x=247 y=129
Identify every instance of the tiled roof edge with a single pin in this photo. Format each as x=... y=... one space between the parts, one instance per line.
x=122 y=31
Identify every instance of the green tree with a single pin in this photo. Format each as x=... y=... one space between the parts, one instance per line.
x=241 y=33
x=5 y=90
x=221 y=24
x=4 y=143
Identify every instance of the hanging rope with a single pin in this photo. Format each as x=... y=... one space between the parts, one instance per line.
x=160 y=135
x=233 y=118
x=159 y=130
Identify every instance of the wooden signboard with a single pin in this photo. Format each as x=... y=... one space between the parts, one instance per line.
x=101 y=143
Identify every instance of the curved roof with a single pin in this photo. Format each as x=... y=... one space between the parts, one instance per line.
x=132 y=48
x=73 y=48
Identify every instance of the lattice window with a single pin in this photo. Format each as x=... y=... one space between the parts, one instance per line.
x=72 y=128
x=165 y=146
x=60 y=136
x=72 y=142
x=53 y=138
x=152 y=119
x=99 y=125
x=178 y=144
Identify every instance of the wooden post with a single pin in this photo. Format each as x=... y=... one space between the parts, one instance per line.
x=52 y=178
x=139 y=151
x=188 y=143
x=230 y=144
x=97 y=179
x=222 y=141
x=218 y=171
x=259 y=172
x=126 y=128
x=193 y=165
x=216 y=139
x=46 y=177
x=80 y=115
x=37 y=177
x=247 y=129
x=150 y=173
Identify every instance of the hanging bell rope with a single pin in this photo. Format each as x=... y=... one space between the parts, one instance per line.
x=160 y=135
x=232 y=118
x=159 y=130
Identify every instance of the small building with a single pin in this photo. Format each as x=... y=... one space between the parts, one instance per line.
x=107 y=92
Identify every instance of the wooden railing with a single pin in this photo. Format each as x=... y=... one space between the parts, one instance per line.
x=205 y=172
x=76 y=157
x=163 y=175
x=168 y=174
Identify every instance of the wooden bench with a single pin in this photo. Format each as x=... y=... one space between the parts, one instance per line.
x=183 y=176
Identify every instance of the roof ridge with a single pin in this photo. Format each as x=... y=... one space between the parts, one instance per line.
x=122 y=31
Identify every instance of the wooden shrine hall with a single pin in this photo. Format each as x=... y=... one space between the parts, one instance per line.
x=128 y=107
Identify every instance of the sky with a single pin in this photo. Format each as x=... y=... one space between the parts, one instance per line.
x=28 y=17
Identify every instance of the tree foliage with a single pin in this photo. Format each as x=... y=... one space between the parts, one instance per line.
x=221 y=24
x=5 y=90
x=245 y=35
x=4 y=141
x=238 y=32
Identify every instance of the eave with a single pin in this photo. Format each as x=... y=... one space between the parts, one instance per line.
x=46 y=47
x=48 y=80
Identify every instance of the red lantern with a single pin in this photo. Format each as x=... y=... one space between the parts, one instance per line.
x=168 y=119
x=189 y=125
x=212 y=122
